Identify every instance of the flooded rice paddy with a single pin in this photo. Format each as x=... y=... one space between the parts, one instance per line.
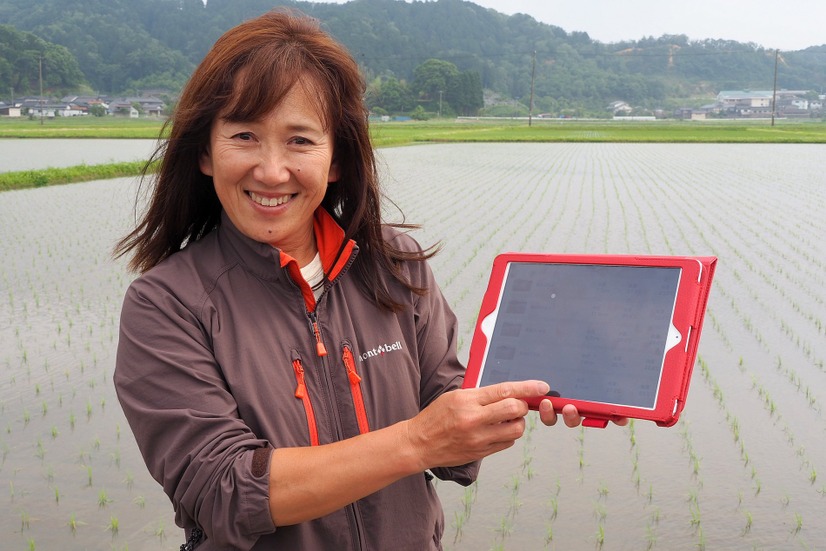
x=28 y=154
x=745 y=468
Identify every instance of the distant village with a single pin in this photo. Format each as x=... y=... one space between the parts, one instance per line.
x=147 y=105
x=745 y=104
x=729 y=104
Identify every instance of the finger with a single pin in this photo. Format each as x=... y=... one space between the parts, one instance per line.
x=517 y=389
x=621 y=422
x=505 y=410
x=571 y=416
x=547 y=413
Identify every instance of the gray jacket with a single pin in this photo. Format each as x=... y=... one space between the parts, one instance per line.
x=218 y=341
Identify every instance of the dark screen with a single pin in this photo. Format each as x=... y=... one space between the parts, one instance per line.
x=593 y=332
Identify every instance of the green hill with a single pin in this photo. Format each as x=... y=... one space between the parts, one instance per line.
x=129 y=45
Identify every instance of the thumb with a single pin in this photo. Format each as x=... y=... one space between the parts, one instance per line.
x=512 y=389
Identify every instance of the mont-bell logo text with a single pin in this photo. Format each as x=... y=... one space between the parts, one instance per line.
x=382 y=349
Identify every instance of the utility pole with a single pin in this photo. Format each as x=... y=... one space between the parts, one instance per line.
x=40 y=70
x=440 y=104
x=774 y=92
x=533 y=78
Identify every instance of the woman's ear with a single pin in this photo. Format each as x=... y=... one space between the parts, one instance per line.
x=334 y=173
x=205 y=162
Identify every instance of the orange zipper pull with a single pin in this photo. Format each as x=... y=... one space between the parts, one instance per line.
x=320 y=349
x=349 y=364
x=302 y=394
x=301 y=388
x=355 y=388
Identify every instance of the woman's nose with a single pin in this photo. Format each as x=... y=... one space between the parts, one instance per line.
x=272 y=167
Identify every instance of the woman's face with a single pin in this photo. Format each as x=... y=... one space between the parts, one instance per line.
x=271 y=174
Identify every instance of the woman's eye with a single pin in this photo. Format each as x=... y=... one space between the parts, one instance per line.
x=301 y=140
x=244 y=136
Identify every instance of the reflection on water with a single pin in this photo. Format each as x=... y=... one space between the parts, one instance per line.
x=38 y=154
x=745 y=468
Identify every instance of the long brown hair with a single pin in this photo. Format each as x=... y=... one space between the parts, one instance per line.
x=244 y=76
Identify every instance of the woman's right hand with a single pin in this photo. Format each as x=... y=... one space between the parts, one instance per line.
x=465 y=425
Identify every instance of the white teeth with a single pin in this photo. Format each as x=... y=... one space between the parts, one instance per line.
x=269 y=201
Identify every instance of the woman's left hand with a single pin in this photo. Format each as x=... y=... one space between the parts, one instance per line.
x=570 y=415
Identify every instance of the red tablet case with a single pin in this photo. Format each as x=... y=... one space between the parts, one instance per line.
x=689 y=310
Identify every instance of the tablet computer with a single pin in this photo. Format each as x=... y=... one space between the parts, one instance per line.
x=615 y=335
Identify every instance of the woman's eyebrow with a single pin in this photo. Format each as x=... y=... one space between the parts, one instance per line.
x=299 y=127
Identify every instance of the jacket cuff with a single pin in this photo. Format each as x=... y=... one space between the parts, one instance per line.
x=464 y=475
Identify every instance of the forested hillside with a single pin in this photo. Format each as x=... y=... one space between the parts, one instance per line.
x=129 y=45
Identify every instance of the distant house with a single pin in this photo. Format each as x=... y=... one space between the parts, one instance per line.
x=123 y=108
x=83 y=103
x=744 y=99
x=9 y=110
x=751 y=104
x=150 y=106
x=619 y=108
x=51 y=110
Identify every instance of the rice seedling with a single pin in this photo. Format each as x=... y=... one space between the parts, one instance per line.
x=73 y=524
x=160 y=532
x=103 y=499
x=25 y=520
x=549 y=535
x=114 y=526
x=747 y=527
x=798 y=524
x=650 y=537
x=458 y=526
x=600 y=536
x=130 y=481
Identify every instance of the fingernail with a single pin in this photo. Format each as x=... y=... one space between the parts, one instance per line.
x=543 y=387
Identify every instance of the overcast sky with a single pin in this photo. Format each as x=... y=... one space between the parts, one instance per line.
x=773 y=24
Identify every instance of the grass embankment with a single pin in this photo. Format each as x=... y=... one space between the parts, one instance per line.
x=81 y=127
x=561 y=130
x=24 y=179
x=406 y=133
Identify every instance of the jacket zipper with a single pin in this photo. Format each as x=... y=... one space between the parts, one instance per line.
x=352 y=509
x=302 y=394
x=320 y=349
x=355 y=389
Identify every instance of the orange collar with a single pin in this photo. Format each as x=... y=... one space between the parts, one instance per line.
x=333 y=250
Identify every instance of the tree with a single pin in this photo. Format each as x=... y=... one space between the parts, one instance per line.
x=432 y=77
x=464 y=93
x=97 y=110
x=391 y=95
x=23 y=55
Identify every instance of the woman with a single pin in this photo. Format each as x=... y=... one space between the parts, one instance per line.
x=284 y=358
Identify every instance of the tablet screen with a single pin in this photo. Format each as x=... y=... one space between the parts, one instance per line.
x=593 y=332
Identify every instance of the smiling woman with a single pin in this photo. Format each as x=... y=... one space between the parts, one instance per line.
x=267 y=276
x=272 y=174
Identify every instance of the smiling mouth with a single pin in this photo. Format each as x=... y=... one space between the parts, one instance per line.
x=268 y=201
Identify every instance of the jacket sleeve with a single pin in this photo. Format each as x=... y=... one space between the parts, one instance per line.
x=186 y=423
x=441 y=370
